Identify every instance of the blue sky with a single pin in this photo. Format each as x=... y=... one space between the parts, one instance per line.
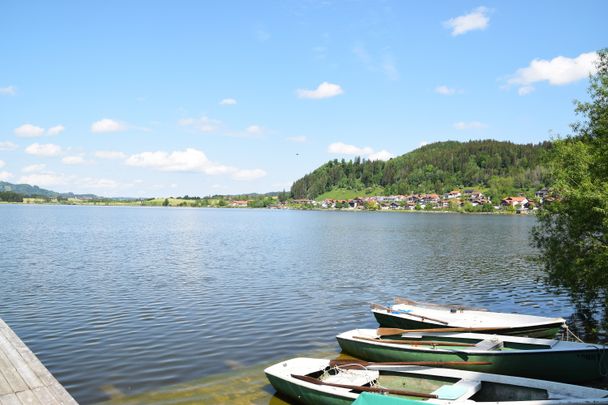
x=151 y=98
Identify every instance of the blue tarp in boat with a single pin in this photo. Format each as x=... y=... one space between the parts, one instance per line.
x=368 y=398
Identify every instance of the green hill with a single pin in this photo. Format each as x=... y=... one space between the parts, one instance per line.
x=27 y=190
x=497 y=167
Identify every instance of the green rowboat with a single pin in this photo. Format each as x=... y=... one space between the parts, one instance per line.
x=510 y=355
x=323 y=382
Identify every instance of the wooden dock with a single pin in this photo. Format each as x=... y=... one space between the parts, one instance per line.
x=23 y=378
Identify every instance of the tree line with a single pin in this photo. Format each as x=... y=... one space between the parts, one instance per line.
x=502 y=167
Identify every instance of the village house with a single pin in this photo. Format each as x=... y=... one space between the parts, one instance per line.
x=356 y=202
x=239 y=203
x=542 y=194
x=453 y=194
x=304 y=201
x=477 y=198
x=516 y=202
x=431 y=199
x=328 y=203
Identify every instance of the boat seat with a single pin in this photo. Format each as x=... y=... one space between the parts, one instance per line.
x=461 y=390
x=353 y=377
x=488 y=344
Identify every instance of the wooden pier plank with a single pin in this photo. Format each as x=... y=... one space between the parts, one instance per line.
x=30 y=358
x=5 y=387
x=23 y=378
x=15 y=359
x=10 y=399
x=10 y=373
x=44 y=396
x=28 y=398
x=61 y=395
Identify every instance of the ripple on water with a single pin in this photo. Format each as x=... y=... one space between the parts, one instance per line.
x=127 y=300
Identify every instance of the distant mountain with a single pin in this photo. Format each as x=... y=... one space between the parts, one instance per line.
x=439 y=167
x=31 y=191
x=27 y=190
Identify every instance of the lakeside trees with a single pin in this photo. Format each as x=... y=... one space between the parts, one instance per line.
x=10 y=196
x=572 y=232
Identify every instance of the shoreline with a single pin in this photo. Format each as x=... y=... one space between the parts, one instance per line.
x=128 y=204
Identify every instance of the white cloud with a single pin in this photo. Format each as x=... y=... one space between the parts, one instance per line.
x=110 y=154
x=5 y=176
x=34 y=168
x=324 y=90
x=56 y=130
x=46 y=149
x=106 y=125
x=2 y=164
x=381 y=155
x=8 y=91
x=557 y=71
x=202 y=124
x=245 y=175
x=90 y=182
x=476 y=20
x=469 y=125
x=32 y=131
x=228 y=101
x=423 y=143
x=340 y=148
x=297 y=139
x=345 y=149
x=254 y=130
x=29 y=131
x=7 y=145
x=189 y=160
x=43 y=179
x=73 y=160
x=522 y=91
x=445 y=90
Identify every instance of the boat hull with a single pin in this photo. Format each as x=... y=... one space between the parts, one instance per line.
x=565 y=366
x=539 y=331
x=305 y=395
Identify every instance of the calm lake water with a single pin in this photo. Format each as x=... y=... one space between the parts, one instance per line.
x=139 y=298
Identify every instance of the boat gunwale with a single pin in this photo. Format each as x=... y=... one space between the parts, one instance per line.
x=560 y=346
x=587 y=394
x=546 y=321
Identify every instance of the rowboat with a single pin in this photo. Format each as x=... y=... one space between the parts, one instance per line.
x=408 y=314
x=547 y=359
x=322 y=382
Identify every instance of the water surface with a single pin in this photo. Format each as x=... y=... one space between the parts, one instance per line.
x=130 y=299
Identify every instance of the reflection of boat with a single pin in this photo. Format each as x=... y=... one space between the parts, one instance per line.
x=319 y=382
x=408 y=314
x=512 y=355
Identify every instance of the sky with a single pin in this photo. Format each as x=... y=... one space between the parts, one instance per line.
x=167 y=98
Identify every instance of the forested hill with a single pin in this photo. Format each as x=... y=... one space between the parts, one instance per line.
x=26 y=189
x=439 y=167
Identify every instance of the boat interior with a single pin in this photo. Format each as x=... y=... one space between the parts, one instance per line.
x=446 y=388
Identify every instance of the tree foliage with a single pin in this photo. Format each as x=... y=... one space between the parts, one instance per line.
x=10 y=196
x=438 y=167
x=572 y=231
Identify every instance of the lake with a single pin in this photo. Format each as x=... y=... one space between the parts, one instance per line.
x=129 y=299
